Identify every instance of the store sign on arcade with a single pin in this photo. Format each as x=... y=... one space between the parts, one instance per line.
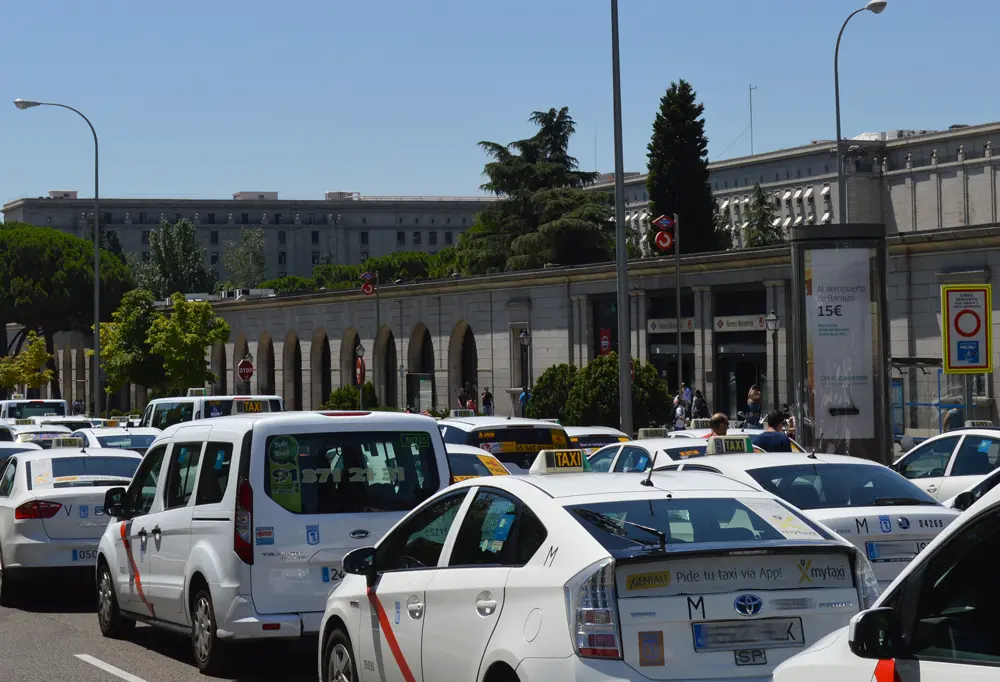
x=967 y=323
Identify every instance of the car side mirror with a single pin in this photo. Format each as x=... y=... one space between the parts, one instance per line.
x=964 y=500
x=114 y=502
x=876 y=634
x=361 y=561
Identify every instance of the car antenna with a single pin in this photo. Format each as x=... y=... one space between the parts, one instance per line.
x=646 y=481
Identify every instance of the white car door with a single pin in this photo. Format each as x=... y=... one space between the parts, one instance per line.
x=975 y=458
x=927 y=464
x=392 y=617
x=7 y=503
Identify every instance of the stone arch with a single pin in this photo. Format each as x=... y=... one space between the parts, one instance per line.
x=420 y=367
x=240 y=350
x=320 y=369
x=291 y=374
x=265 y=365
x=219 y=368
x=80 y=377
x=463 y=363
x=348 y=356
x=384 y=371
x=66 y=372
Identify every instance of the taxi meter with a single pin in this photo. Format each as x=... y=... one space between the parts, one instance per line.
x=729 y=445
x=560 y=462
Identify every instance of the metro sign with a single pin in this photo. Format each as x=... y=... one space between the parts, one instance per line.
x=664 y=222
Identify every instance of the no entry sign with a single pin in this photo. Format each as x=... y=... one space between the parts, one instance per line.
x=966 y=320
x=359 y=371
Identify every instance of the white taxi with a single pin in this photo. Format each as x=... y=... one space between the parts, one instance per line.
x=637 y=455
x=597 y=578
x=947 y=464
x=936 y=622
x=52 y=511
x=590 y=439
x=515 y=442
x=72 y=423
x=880 y=512
x=468 y=462
x=44 y=437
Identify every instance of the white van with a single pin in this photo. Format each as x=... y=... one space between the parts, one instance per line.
x=19 y=407
x=235 y=528
x=162 y=413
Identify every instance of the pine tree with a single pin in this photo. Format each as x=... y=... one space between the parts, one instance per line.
x=678 y=169
x=762 y=231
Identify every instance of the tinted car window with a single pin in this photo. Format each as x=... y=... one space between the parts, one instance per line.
x=185 y=460
x=73 y=472
x=214 y=473
x=602 y=459
x=418 y=542
x=977 y=456
x=519 y=445
x=170 y=413
x=127 y=442
x=142 y=491
x=341 y=472
x=463 y=465
x=486 y=534
x=826 y=486
x=929 y=460
x=35 y=408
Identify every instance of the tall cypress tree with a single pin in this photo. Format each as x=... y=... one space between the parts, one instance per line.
x=678 y=169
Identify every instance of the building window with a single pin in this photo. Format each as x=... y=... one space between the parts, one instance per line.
x=432 y=238
x=416 y=221
x=142 y=218
x=145 y=237
x=315 y=257
x=364 y=256
x=447 y=239
x=245 y=218
x=400 y=221
x=312 y=218
x=432 y=221
x=463 y=221
x=145 y=256
x=215 y=258
x=107 y=218
x=111 y=234
x=447 y=221
x=364 y=221
x=416 y=239
x=213 y=237
x=364 y=238
x=400 y=239
x=277 y=218
x=281 y=237
x=314 y=236
x=281 y=257
x=211 y=219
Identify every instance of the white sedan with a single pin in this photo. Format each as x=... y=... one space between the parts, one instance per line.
x=636 y=455
x=138 y=439
x=52 y=511
x=951 y=462
x=590 y=439
x=596 y=578
x=880 y=512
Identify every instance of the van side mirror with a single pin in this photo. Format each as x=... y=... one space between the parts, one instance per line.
x=361 y=561
x=876 y=634
x=964 y=500
x=114 y=502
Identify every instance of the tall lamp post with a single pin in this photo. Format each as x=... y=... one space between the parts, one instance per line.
x=359 y=350
x=773 y=322
x=96 y=376
x=525 y=345
x=875 y=7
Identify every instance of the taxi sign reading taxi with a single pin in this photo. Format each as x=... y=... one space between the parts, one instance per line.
x=560 y=462
x=967 y=321
x=729 y=445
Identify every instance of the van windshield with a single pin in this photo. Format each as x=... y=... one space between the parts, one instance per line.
x=36 y=408
x=342 y=472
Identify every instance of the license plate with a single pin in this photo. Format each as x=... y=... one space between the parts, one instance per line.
x=84 y=555
x=750 y=657
x=895 y=550
x=768 y=633
x=332 y=575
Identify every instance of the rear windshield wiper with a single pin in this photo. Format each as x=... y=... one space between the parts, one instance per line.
x=892 y=501
x=614 y=526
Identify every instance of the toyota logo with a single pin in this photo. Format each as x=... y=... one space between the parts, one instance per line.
x=748 y=605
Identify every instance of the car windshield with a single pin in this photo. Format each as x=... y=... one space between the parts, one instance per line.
x=828 y=486
x=465 y=465
x=517 y=445
x=72 y=424
x=128 y=441
x=83 y=471
x=36 y=408
x=626 y=524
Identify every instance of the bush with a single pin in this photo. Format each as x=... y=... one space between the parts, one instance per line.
x=593 y=399
x=346 y=398
x=550 y=393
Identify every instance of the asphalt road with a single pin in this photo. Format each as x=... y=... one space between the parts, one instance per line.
x=53 y=635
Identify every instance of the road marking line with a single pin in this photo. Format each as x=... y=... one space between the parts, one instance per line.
x=107 y=667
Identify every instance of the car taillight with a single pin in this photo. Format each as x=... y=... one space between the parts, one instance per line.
x=37 y=509
x=593 y=611
x=864 y=578
x=243 y=528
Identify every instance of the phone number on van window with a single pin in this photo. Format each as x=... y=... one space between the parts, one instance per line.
x=354 y=475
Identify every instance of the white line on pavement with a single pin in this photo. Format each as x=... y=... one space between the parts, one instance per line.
x=107 y=667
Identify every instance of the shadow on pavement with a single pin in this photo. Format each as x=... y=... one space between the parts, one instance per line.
x=67 y=596
x=257 y=662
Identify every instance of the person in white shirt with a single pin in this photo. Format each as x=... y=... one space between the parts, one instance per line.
x=679 y=422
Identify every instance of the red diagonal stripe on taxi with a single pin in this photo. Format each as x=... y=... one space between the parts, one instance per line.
x=885 y=671
x=390 y=637
x=135 y=570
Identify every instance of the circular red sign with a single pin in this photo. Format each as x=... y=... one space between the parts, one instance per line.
x=367 y=289
x=359 y=370
x=664 y=240
x=605 y=343
x=244 y=370
x=975 y=315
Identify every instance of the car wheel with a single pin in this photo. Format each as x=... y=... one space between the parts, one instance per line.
x=340 y=665
x=9 y=588
x=109 y=616
x=209 y=654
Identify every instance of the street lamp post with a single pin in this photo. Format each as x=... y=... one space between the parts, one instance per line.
x=525 y=345
x=96 y=376
x=875 y=7
x=773 y=323
x=359 y=350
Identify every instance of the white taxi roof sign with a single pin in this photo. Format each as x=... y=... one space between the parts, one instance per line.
x=195 y=392
x=50 y=414
x=560 y=462
x=701 y=423
x=24 y=422
x=653 y=433
x=457 y=414
x=729 y=445
x=17 y=396
x=37 y=435
x=67 y=442
x=978 y=423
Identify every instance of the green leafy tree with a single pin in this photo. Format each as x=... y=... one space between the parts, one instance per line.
x=551 y=392
x=182 y=339
x=723 y=229
x=593 y=399
x=407 y=266
x=176 y=263
x=543 y=213
x=244 y=262
x=291 y=284
x=651 y=400
x=109 y=239
x=29 y=367
x=346 y=398
x=47 y=284
x=678 y=168
x=126 y=355
x=762 y=231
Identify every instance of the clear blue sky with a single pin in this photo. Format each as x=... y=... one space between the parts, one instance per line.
x=200 y=99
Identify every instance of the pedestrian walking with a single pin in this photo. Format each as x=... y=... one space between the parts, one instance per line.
x=754 y=406
x=487 y=402
x=700 y=406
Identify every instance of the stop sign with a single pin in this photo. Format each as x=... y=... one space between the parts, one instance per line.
x=359 y=371
x=664 y=240
x=244 y=370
